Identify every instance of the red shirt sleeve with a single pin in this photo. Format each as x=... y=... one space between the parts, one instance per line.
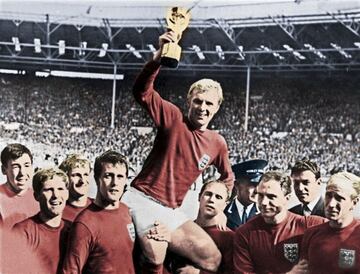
x=241 y=257
x=78 y=250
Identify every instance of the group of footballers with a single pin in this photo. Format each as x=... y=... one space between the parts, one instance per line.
x=143 y=230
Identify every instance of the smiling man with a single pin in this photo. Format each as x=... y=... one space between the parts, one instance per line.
x=183 y=149
x=46 y=233
x=334 y=247
x=270 y=242
x=16 y=196
x=307 y=185
x=78 y=171
x=102 y=237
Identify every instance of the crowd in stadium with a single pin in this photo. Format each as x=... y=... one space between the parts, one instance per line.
x=288 y=119
x=244 y=223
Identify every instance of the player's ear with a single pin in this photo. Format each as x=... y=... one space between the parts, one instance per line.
x=36 y=196
x=3 y=170
x=355 y=201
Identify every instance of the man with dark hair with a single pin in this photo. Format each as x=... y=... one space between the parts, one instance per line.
x=243 y=206
x=307 y=185
x=334 y=247
x=16 y=197
x=46 y=233
x=270 y=242
x=102 y=236
x=78 y=171
x=183 y=148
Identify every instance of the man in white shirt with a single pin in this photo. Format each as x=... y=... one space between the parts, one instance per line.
x=306 y=178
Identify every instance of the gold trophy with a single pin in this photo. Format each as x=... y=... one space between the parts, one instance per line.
x=177 y=20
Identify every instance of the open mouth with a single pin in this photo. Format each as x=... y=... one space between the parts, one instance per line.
x=81 y=184
x=55 y=203
x=210 y=207
x=113 y=191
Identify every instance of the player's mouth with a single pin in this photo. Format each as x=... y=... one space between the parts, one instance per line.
x=113 y=191
x=80 y=184
x=55 y=203
x=210 y=207
x=331 y=212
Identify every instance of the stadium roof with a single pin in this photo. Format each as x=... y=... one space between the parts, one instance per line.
x=228 y=36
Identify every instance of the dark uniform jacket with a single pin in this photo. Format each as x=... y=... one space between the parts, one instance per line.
x=232 y=214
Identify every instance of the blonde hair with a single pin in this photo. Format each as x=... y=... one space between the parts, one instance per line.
x=210 y=182
x=72 y=161
x=205 y=85
x=46 y=174
x=346 y=178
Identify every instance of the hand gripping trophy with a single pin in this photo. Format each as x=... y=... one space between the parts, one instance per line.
x=177 y=20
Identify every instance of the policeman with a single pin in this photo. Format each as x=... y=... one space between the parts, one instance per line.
x=243 y=206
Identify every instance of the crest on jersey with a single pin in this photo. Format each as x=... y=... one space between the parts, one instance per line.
x=291 y=252
x=346 y=258
x=203 y=162
x=131 y=230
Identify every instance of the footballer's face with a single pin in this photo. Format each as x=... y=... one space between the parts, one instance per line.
x=52 y=197
x=79 y=181
x=202 y=108
x=271 y=199
x=339 y=205
x=213 y=200
x=19 y=173
x=111 y=183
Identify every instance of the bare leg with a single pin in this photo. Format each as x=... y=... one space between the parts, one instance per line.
x=192 y=242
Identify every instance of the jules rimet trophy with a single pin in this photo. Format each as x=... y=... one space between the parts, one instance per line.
x=177 y=20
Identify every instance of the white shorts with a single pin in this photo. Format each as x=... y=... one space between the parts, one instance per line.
x=145 y=210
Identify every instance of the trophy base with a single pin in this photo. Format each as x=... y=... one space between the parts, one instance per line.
x=169 y=62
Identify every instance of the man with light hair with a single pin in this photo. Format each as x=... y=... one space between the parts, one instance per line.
x=183 y=148
x=78 y=169
x=213 y=197
x=334 y=247
x=46 y=232
x=271 y=241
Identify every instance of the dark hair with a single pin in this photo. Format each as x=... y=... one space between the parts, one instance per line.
x=111 y=157
x=45 y=174
x=13 y=152
x=283 y=179
x=304 y=165
x=205 y=185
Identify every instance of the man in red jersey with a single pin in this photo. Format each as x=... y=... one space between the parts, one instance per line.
x=46 y=233
x=270 y=242
x=78 y=171
x=102 y=236
x=334 y=247
x=213 y=198
x=16 y=196
x=182 y=149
